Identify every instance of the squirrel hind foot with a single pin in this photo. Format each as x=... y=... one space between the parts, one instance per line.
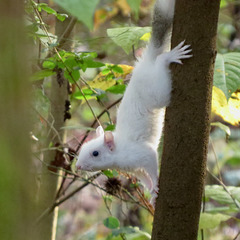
x=144 y=178
x=154 y=197
x=178 y=53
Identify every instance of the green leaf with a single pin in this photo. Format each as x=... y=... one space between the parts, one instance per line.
x=42 y=74
x=116 y=69
x=106 y=71
x=49 y=64
x=227 y=73
x=117 y=89
x=135 y=4
x=126 y=37
x=82 y=10
x=47 y=9
x=88 y=54
x=88 y=93
x=132 y=233
x=223 y=127
x=76 y=74
x=218 y=194
x=61 y=16
x=223 y=3
x=72 y=76
x=32 y=28
x=110 y=127
x=209 y=220
x=70 y=62
x=111 y=222
x=233 y=161
x=93 y=64
x=110 y=173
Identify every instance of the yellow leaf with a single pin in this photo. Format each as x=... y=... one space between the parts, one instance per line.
x=126 y=70
x=100 y=80
x=146 y=37
x=228 y=110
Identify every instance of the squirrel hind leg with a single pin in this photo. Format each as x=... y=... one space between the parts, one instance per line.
x=181 y=51
x=154 y=194
x=144 y=178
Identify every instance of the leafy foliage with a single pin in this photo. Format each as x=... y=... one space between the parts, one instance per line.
x=209 y=220
x=103 y=88
x=42 y=74
x=228 y=110
x=225 y=128
x=82 y=10
x=110 y=79
x=110 y=173
x=49 y=10
x=127 y=37
x=227 y=73
x=131 y=233
x=219 y=194
x=111 y=222
x=71 y=63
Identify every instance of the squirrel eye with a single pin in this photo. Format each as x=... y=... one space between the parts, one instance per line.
x=95 y=153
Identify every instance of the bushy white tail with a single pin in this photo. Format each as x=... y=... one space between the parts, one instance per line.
x=161 y=25
x=166 y=7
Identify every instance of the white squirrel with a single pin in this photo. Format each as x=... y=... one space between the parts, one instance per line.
x=132 y=147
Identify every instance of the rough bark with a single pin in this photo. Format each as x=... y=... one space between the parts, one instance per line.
x=16 y=200
x=46 y=228
x=186 y=136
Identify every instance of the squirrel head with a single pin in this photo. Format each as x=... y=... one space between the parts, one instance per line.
x=97 y=154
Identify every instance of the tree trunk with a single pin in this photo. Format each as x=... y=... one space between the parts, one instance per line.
x=50 y=181
x=186 y=136
x=16 y=182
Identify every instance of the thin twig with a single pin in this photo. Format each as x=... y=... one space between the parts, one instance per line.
x=87 y=182
x=55 y=49
x=225 y=188
x=150 y=209
x=48 y=149
x=57 y=168
x=203 y=210
x=94 y=122
x=86 y=101
x=50 y=125
x=69 y=184
x=63 y=38
x=134 y=53
x=56 y=204
x=61 y=186
x=120 y=198
x=59 y=56
x=236 y=237
x=216 y=158
x=99 y=100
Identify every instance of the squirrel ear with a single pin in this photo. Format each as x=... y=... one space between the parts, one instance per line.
x=99 y=131
x=109 y=140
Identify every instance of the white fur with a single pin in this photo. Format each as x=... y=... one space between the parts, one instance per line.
x=166 y=7
x=139 y=119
